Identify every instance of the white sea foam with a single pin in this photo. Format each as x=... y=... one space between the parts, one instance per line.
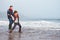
x=31 y=24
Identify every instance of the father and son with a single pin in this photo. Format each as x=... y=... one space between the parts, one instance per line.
x=13 y=17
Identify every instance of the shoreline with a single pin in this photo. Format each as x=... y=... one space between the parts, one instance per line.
x=34 y=24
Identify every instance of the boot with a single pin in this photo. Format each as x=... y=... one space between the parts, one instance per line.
x=19 y=30
x=10 y=31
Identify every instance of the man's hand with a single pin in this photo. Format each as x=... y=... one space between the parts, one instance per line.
x=8 y=14
x=12 y=17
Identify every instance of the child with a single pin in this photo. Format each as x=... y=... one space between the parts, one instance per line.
x=16 y=21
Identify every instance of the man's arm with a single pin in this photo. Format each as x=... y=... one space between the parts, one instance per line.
x=8 y=13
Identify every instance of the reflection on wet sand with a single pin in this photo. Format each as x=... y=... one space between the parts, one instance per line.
x=14 y=36
x=31 y=34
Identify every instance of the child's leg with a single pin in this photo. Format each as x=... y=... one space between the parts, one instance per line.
x=19 y=27
x=14 y=26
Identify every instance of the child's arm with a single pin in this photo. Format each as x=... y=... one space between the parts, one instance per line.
x=18 y=18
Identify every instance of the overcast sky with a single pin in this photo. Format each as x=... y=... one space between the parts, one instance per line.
x=34 y=9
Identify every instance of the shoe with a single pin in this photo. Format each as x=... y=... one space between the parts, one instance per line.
x=20 y=31
x=10 y=31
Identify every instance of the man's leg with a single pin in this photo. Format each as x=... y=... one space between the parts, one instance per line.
x=10 y=24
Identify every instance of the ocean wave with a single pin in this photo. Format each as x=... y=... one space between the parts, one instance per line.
x=34 y=24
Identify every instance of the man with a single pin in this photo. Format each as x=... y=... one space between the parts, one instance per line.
x=10 y=14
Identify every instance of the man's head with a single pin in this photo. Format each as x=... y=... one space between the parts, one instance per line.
x=11 y=7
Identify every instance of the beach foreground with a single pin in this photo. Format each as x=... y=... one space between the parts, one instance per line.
x=31 y=34
x=37 y=30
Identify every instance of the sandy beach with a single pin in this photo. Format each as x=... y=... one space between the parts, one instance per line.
x=47 y=31
x=31 y=34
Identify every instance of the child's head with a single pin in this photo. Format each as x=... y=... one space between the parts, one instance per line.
x=16 y=13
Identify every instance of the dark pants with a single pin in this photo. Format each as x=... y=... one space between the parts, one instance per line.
x=15 y=26
x=10 y=23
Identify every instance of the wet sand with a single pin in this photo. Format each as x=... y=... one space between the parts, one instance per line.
x=31 y=30
x=31 y=34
